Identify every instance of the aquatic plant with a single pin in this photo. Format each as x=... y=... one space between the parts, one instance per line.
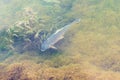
x=25 y=33
x=5 y=39
x=29 y=32
x=90 y=50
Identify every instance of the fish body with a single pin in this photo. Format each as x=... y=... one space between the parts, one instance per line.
x=55 y=37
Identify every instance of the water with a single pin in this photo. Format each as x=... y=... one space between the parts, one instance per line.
x=89 y=51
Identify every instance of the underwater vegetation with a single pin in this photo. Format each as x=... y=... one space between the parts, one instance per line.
x=89 y=51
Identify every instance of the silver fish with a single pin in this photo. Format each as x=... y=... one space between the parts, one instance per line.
x=55 y=37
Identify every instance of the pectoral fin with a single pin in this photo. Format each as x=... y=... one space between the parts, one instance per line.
x=53 y=47
x=61 y=37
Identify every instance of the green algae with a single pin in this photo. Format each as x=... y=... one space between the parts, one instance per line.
x=89 y=51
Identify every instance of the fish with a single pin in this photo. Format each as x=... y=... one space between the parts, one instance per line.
x=56 y=36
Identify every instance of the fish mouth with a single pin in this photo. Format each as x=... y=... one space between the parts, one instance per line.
x=42 y=50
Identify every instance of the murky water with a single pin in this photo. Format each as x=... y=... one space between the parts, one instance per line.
x=89 y=51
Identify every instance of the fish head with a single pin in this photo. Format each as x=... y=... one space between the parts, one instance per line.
x=44 y=46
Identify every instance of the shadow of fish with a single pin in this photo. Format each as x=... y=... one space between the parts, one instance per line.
x=55 y=37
